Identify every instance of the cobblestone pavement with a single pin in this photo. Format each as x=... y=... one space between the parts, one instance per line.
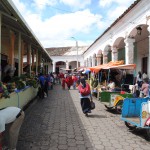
x=57 y=123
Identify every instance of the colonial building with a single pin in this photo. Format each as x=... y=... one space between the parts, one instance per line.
x=64 y=58
x=126 y=39
x=19 y=47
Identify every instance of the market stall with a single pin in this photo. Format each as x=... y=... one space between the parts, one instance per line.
x=18 y=93
x=120 y=69
x=122 y=75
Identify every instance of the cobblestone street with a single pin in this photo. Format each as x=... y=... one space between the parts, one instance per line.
x=57 y=123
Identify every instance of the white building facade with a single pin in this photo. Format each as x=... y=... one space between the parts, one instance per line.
x=64 y=58
x=128 y=39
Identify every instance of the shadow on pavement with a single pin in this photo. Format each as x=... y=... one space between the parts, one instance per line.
x=97 y=116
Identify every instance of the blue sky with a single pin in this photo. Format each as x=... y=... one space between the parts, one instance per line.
x=54 y=22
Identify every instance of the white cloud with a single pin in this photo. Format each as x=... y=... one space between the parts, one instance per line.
x=20 y=6
x=40 y=4
x=124 y=2
x=76 y=3
x=105 y=3
x=57 y=30
x=62 y=26
x=115 y=13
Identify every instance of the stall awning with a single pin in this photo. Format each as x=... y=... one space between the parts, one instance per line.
x=116 y=64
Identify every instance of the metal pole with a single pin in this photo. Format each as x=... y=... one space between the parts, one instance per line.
x=76 y=49
x=77 y=53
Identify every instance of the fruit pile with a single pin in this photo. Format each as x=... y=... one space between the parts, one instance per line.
x=11 y=87
x=3 y=91
x=20 y=84
x=32 y=82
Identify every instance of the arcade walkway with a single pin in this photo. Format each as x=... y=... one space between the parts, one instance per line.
x=57 y=123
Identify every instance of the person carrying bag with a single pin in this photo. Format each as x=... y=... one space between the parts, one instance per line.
x=85 y=96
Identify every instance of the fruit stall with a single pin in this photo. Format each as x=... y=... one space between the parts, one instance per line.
x=18 y=93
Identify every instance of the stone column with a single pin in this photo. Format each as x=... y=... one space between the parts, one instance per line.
x=29 y=58
x=39 y=58
x=45 y=67
x=33 y=60
x=28 y=55
x=148 y=22
x=105 y=57
x=114 y=53
x=93 y=61
x=67 y=65
x=36 y=72
x=87 y=62
x=98 y=59
x=12 y=48
x=0 y=45
x=90 y=62
x=129 y=50
x=54 y=66
x=81 y=63
x=19 y=55
x=22 y=55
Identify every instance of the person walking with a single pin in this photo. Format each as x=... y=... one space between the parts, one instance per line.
x=69 y=81
x=63 y=83
x=85 y=96
x=42 y=84
x=46 y=85
x=51 y=80
x=139 y=79
x=74 y=78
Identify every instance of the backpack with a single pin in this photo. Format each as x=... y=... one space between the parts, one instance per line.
x=85 y=91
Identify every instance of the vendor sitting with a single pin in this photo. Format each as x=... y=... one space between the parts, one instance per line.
x=111 y=86
x=145 y=88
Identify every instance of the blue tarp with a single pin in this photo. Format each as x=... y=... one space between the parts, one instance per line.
x=87 y=71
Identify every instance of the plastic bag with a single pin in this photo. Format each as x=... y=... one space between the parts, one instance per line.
x=92 y=105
